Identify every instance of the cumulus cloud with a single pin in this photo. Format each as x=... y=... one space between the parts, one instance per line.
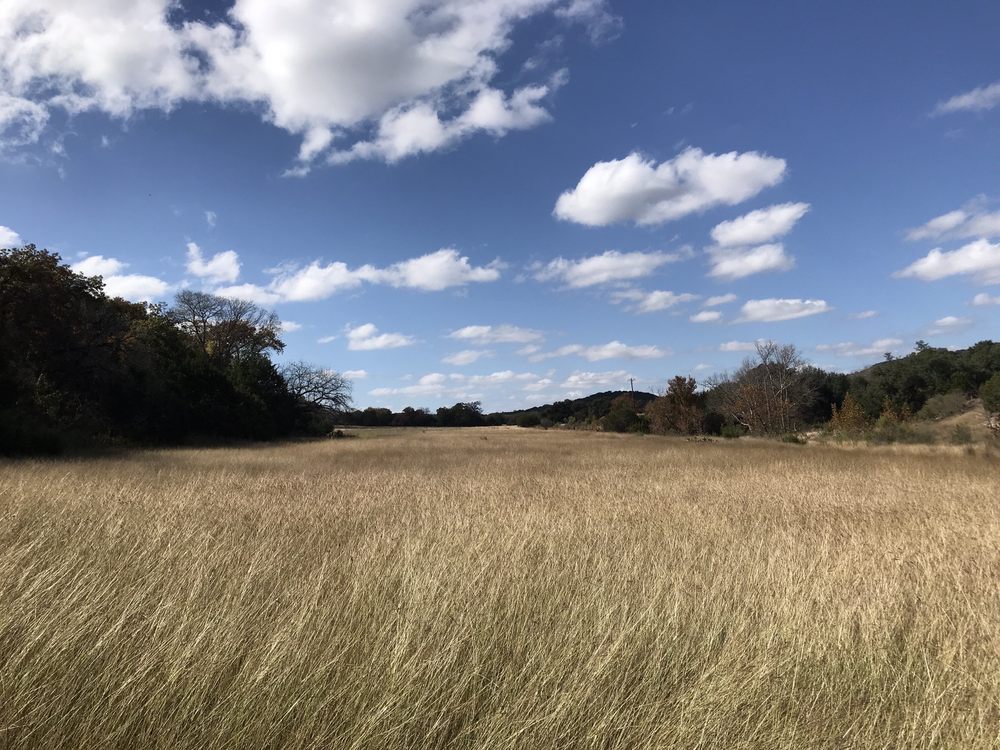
x=648 y=302
x=611 y=350
x=706 y=316
x=220 y=268
x=607 y=267
x=249 y=292
x=948 y=324
x=326 y=70
x=211 y=218
x=290 y=326
x=455 y=384
x=979 y=259
x=367 y=338
x=466 y=357
x=9 y=238
x=638 y=190
x=584 y=380
x=98 y=265
x=136 y=287
x=850 y=349
x=721 y=299
x=759 y=227
x=772 y=310
x=973 y=220
x=985 y=299
x=355 y=374
x=502 y=334
x=737 y=346
x=435 y=271
x=977 y=100
x=732 y=263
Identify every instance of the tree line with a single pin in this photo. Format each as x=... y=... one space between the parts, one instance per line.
x=78 y=367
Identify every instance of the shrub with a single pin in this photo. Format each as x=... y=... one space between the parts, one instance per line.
x=990 y=393
x=528 y=419
x=961 y=435
x=794 y=439
x=732 y=431
x=943 y=405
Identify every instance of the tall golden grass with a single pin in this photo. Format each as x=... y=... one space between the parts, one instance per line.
x=502 y=589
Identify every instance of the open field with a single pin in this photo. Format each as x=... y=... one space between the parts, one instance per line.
x=502 y=589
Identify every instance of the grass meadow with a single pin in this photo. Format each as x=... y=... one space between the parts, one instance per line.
x=502 y=588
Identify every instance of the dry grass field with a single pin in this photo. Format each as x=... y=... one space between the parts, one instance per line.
x=502 y=589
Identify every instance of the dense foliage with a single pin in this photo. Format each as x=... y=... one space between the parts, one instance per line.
x=79 y=367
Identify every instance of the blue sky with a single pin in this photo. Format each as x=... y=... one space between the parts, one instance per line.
x=518 y=201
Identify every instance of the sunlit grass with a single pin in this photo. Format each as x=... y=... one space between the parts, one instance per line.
x=502 y=589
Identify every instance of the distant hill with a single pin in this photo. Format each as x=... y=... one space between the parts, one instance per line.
x=587 y=408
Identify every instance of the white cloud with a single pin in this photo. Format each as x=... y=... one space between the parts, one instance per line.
x=220 y=268
x=639 y=190
x=323 y=69
x=722 y=299
x=502 y=334
x=136 y=287
x=772 y=310
x=211 y=218
x=538 y=385
x=737 y=346
x=21 y=120
x=850 y=349
x=948 y=324
x=977 y=100
x=9 y=238
x=355 y=374
x=417 y=129
x=864 y=314
x=737 y=263
x=706 y=316
x=455 y=385
x=611 y=350
x=98 y=265
x=985 y=299
x=435 y=271
x=326 y=339
x=290 y=326
x=439 y=270
x=585 y=380
x=367 y=338
x=466 y=356
x=603 y=24
x=759 y=227
x=971 y=221
x=648 y=302
x=249 y=292
x=979 y=259
x=606 y=267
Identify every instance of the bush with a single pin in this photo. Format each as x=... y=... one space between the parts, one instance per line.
x=990 y=393
x=528 y=419
x=961 y=435
x=732 y=431
x=792 y=438
x=888 y=433
x=944 y=405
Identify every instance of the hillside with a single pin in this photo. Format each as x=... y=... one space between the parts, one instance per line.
x=586 y=408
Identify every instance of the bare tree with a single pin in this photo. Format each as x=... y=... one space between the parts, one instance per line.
x=768 y=392
x=316 y=386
